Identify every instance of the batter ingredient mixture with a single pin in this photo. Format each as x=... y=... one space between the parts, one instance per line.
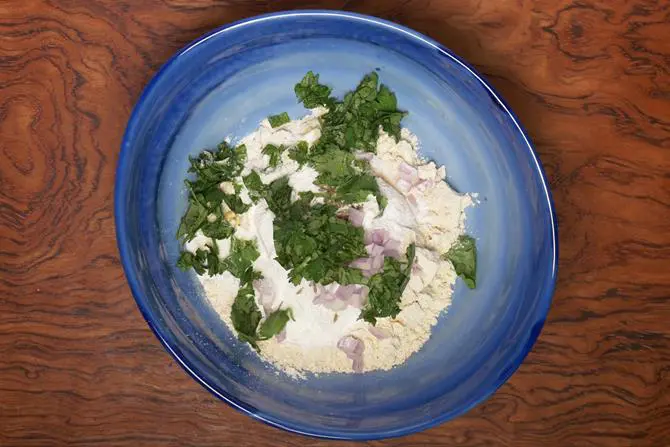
x=326 y=242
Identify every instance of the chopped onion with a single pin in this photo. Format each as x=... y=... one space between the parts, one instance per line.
x=404 y=168
x=377 y=262
x=380 y=236
x=357 y=365
x=356 y=217
x=323 y=297
x=345 y=292
x=376 y=250
x=281 y=336
x=411 y=198
x=350 y=345
x=367 y=238
x=423 y=185
x=392 y=248
x=362 y=263
x=403 y=185
x=380 y=333
x=359 y=298
x=265 y=294
x=337 y=297
x=330 y=301
x=367 y=156
x=409 y=176
x=353 y=348
x=336 y=305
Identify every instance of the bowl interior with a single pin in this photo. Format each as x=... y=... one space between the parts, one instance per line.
x=223 y=85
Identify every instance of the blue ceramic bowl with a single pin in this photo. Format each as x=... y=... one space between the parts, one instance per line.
x=223 y=85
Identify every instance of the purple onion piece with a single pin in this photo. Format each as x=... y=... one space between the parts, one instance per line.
x=356 y=217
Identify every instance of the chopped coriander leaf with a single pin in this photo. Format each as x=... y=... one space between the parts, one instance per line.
x=334 y=166
x=278 y=195
x=353 y=123
x=340 y=169
x=311 y=242
x=245 y=315
x=279 y=120
x=213 y=197
x=219 y=229
x=386 y=100
x=235 y=203
x=246 y=318
x=214 y=264
x=197 y=261
x=387 y=287
x=382 y=201
x=195 y=217
x=186 y=260
x=299 y=153
x=357 y=188
x=463 y=256
x=254 y=185
x=239 y=262
x=311 y=93
x=274 y=152
x=274 y=323
x=241 y=258
x=211 y=168
x=347 y=275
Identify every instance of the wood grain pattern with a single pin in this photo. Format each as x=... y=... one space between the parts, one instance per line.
x=590 y=79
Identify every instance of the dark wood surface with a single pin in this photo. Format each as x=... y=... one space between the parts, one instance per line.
x=589 y=79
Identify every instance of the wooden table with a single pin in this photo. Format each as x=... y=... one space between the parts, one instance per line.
x=589 y=79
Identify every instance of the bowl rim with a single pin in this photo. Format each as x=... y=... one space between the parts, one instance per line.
x=120 y=188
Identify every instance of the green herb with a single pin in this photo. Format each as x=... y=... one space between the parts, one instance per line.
x=278 y=196
x=348 y=177
x=463 y=256
x=218 y=229
x=197 y=261
x=353 y=123
x=350 y=125
x=311 y=93
x=351 y=181
x=195 y=217
x=357 y=188
x=236 y=204
x=279 y=120
x=244 y=313
x=214 y=264
x=241 y=258
x=210 y=169
x=203 y=261
x=299 y=153
x=334 y=166
x=311 y=241
x=274 y=152
x=386 y=288
x=246 y=316
x=254 y=185
x=274 y=323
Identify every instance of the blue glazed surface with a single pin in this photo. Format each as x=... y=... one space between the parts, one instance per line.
x=223 y=85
